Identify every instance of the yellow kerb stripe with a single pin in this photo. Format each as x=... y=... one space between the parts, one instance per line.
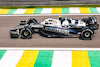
x=28 y=59
x=4 y=11
x=56 y=10
x=29 y=11
x=80 y=59
x=84 y=10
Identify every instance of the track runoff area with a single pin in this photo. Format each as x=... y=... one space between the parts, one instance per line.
x=47 y=57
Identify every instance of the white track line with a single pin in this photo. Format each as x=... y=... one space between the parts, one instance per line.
x=62 y=59
x=20 y=11
x=11 y=58
x=46 y=11
x=74 y=10
x=47 y=14
x=98 y=9
x=61 y=49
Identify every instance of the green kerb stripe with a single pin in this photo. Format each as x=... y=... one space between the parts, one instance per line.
x=2 y=52
x=93 y=10
x=37 y=10
x=65 y=10
x=44 y=59
x=94 y=57
x=11 y=11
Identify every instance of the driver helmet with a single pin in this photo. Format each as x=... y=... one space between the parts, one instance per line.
x=60 y=16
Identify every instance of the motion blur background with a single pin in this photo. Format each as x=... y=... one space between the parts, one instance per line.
x=47 y=2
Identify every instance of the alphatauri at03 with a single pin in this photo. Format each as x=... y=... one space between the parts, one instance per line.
x=62 y=27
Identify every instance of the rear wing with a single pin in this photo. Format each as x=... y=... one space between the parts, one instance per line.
x=94 y=26
x=92 y=20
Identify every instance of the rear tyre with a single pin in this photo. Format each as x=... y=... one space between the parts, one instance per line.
x=87 y=34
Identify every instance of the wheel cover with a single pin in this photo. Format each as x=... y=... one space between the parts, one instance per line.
x=87 y=34
x=25 y=33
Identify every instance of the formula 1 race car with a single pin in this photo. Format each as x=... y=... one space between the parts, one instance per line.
x=62 y=27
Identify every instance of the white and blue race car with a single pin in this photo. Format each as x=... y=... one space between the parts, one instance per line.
x=62 y=27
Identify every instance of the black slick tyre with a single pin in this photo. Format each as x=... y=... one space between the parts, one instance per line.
x=26 y=33
x=87 y=34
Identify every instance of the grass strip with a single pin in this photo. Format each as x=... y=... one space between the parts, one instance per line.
x=62 y=6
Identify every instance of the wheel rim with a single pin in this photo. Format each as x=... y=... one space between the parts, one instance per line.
x=25 y=33
x=87 y=34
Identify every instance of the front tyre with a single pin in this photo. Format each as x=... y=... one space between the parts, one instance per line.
x=87 y=34
x=26 y=33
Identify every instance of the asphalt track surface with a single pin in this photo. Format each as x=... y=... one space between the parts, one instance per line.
x=6 y=23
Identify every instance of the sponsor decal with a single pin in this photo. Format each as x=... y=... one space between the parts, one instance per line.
x=56 y=30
